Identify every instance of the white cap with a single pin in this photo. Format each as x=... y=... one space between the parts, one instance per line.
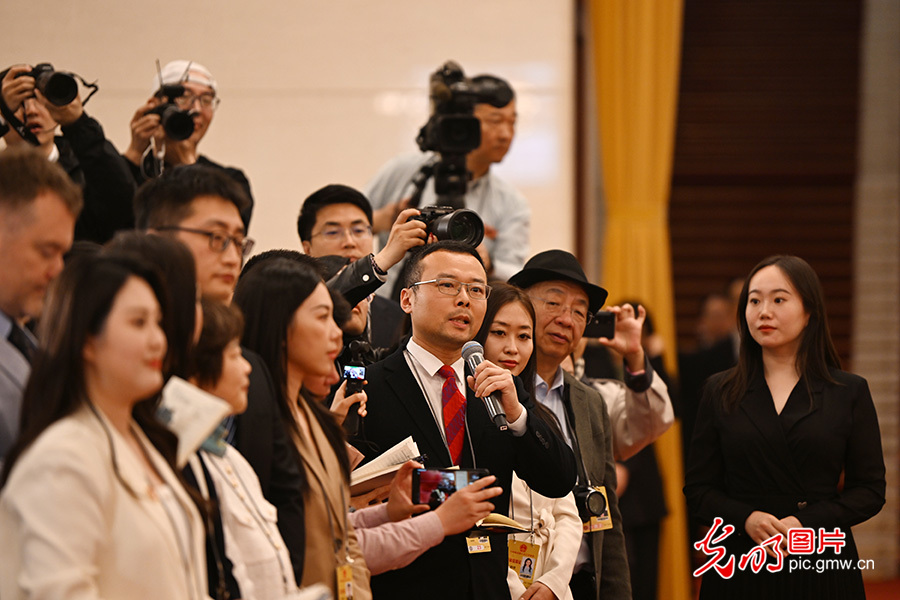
x=179 y=71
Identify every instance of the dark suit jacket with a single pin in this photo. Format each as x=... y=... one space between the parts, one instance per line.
x=751 y=458
x=261 y=438
x=357 y=281
x=694 y=368
x=94 y=164
x=594 y=434
x=397 y=409
x=236 y=174
x=14 y=372
x=385 y=322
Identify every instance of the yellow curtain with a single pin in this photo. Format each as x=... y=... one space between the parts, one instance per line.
x=637 y=53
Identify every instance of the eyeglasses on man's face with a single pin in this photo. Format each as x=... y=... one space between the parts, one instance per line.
x=219 y=241
x=336 y=233
x=555 y=306
x=207 y=100
x=452 y=287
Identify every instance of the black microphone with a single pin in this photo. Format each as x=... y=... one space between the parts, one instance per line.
x=473 y=354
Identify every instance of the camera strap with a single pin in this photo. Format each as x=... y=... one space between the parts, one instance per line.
x=583 y=474
x=15 y=123
x=91 y=86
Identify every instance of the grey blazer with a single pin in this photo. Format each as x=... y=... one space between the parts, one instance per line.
x=14 y=371
x=594 y=433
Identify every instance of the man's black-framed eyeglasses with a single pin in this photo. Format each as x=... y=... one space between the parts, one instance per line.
x=452 y=287
x=218 y=240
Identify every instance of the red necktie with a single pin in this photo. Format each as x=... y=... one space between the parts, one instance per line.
x=454 y=404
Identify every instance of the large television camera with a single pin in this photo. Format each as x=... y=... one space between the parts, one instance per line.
x=452 y=131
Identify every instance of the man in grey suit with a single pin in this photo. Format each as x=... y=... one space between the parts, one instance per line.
x=38 y=208
x=564 y=302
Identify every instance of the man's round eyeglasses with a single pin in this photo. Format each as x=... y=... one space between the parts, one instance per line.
x=207 y=100
x=333 y=233
x=218 y=240
x=581 y=316
x=451 y=287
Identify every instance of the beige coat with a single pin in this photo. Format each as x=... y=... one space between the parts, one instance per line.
x=325 y=505
x=71 y=529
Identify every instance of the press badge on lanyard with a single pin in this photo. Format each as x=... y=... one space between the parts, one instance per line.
x=518 y=553
x=478 y=544
x=345 y=582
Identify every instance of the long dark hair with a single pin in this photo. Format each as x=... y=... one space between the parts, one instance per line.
x=77 y=308
x=501 y=295
x=176 y=265
x=816 y=355
x=269 y=294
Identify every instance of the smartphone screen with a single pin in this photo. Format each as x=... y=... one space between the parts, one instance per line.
x=433 y=486
x=355 y=376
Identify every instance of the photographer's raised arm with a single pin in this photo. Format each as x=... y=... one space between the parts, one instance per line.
x=14 y=88
x=144 y=125
x=362 y=277
x=405 y=234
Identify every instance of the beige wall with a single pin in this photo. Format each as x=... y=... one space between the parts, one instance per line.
x=317 y=92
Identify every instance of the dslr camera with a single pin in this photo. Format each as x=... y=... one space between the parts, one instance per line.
x=590 y=502
x=446 y=223
x=59 y=87
x=178 y=124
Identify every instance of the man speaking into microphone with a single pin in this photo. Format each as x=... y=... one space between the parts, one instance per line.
x=422 y=391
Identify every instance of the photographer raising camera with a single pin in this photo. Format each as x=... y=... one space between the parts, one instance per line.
x=35 y=101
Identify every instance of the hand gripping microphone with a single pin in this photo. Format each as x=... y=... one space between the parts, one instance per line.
x=473 y=354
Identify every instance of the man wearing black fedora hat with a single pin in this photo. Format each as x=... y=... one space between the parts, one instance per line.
x=565 y=302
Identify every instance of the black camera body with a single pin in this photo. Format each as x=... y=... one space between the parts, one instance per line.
x=452 y=131
x=59 y=87
x=590 y=502
x=178 y=124
x=447 y=223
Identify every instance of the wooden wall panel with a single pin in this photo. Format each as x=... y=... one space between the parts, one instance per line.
x=765 y=153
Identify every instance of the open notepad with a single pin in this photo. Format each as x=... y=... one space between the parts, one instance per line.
x=497 y=523
x=381 y=470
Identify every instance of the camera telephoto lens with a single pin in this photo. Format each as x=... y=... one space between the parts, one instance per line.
x=462 y=226
x=58 y=88
x=178 y=124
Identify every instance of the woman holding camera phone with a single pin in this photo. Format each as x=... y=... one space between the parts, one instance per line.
x=785 y=440
x=289 y=322
x=90 y=507
x=507 y=336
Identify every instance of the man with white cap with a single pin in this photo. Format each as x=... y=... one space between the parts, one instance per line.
x=151 y=149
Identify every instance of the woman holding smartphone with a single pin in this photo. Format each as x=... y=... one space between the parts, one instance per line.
x=90 y=507
x=785 y=440
x=289 y=322
x=507 y=335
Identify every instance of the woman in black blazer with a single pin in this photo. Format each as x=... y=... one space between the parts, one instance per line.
x=773 y=439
